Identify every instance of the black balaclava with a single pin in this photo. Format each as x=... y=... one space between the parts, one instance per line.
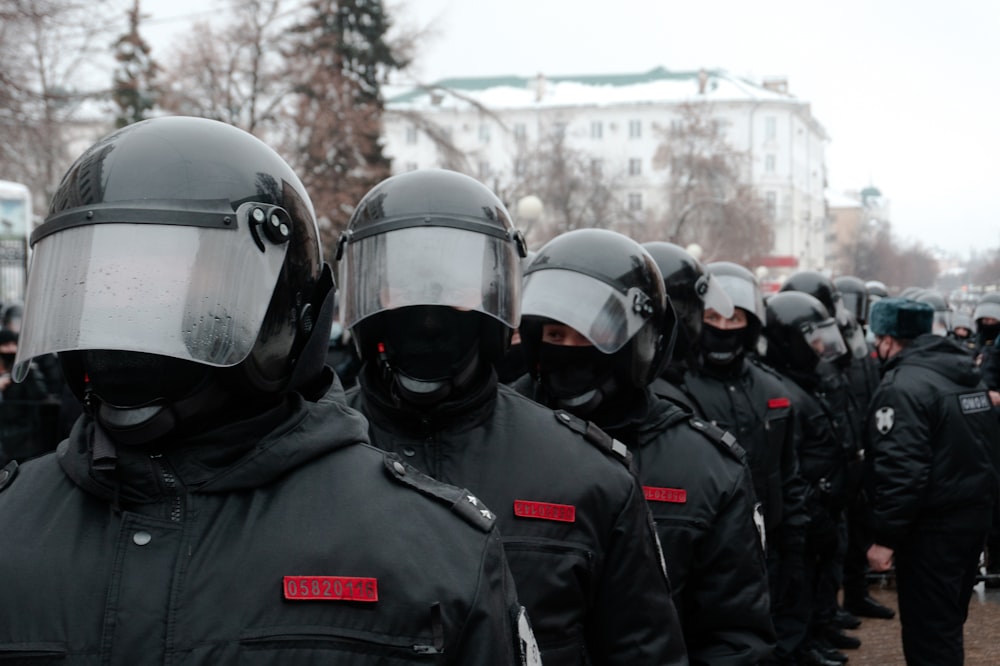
x=426 y=353
x=723 y=348
x=987 y=333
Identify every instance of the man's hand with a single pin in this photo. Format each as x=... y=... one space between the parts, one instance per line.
x=995 y=397
x=880 y=557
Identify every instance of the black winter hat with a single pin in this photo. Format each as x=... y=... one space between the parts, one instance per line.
x=901 y=318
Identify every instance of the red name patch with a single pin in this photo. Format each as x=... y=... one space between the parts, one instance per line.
x=330 y=588
x=564 y=513
x=672 y=495
x=778 y=403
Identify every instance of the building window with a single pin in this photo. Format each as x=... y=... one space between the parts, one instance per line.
x=634 y=129
x=634 y=166
x=484 y=134
x=520 y=131
x=769 y=163
x=411 y=134
x=770 y=128
x=771 y=199
x=558 y=129
x=520 y=167
x=635 y=201
x=597 y=130
x=596 y=167
x=484 y=170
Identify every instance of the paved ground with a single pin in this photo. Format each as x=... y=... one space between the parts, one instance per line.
x=880 y=643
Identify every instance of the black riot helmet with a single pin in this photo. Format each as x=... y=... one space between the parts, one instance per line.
x=911 y=292
x=745 y=293
x=174 y=249
x=942 y=311
x=825 y=291
x=854 y=295
x=800 y=333
x=606 y=287
x=876 y=291
x=690 y=289
x=988 y=307
x=430 y=282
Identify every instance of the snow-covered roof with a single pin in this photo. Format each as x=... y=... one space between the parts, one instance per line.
x=655 y=86
x=836 y=199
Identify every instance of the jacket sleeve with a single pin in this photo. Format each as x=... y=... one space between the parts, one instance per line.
x=900 y=456
x=794 y=490
x=638 y=621
x=726 y=601
x=496 y=632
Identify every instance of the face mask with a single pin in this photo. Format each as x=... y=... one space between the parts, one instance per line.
x=577 y=378
x=722 y=346
x=8 y=360
x=133 y=379
x=987 y=332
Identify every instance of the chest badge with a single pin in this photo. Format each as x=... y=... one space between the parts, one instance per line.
x=330 y=588
x=668 y=495
x=885 y=418
x=563 y=513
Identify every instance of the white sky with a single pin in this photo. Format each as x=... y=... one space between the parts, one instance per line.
x=908 y=90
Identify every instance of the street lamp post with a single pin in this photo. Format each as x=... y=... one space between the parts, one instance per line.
x=529 y=210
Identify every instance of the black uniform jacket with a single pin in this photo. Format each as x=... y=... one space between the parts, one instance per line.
x=933 y=438
x=575 y=526
x=282 y=540
x=754 y=403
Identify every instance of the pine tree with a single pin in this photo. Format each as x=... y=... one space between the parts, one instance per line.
x=340 y=57
x=134 y=90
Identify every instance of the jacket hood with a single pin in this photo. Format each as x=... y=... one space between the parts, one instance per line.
x=941 y=355
x=237 y=456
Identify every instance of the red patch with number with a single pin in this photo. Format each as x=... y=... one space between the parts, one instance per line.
x=778 y=403
x=564 y=513
x=330 y=588
x=670 y=495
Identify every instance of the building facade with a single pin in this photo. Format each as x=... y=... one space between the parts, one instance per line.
x=482 y=125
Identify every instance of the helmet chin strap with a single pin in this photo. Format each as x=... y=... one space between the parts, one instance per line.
x=422 y=392
x=139 y=425
x=586 y=403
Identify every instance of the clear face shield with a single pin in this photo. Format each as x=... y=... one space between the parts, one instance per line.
x=743 y=294
x=942 y=323
x=851 y=331
x=187 y=292
x=430 y=266
x=608 y=318
x=825 y=340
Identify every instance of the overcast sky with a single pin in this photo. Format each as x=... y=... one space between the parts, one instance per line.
x=908 y=91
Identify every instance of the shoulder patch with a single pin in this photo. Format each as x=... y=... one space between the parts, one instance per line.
x=461 y=501
x=723 y=439
x=975 y=402
x=885 y=418
x=7 y=474
x=595 y=436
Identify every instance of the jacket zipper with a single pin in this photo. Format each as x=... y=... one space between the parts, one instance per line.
x=172 y=487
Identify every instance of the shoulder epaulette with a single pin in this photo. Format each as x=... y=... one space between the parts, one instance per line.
x=723 y=439
x=7 y=474
x=459 y=500
x=595 y=436
x=761 y=365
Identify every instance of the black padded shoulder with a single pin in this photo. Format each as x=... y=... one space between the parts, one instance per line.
x=7 y=474
x=724 y=440
x=459 y=500
x=602 y=440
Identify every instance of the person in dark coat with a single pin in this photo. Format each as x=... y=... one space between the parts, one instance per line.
x=932 y=475
x=218 y=502
x=431 y=279
x=21 y=434
x=596 y=328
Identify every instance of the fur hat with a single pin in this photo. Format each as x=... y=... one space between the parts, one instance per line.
x=900 y=318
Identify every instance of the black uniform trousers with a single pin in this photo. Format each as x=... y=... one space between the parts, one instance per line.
x=935 y=572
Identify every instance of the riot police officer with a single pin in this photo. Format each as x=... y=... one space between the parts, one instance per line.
x=737 y=392
x=802 y=338
x=217 y=504
x=431 y=277
x=596 y=328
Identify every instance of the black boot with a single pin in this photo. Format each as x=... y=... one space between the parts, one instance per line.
x=866 y=606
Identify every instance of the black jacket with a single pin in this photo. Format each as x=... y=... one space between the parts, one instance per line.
x=576 y=529
x=185 y=557
x=932 y=444
x=699 y=491
x=753 y=403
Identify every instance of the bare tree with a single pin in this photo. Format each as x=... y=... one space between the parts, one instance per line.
x=710 y=199
x=134 y=90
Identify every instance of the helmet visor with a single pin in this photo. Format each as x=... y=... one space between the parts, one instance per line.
x=825 y=339
x=431 y=266
x=986 y=309
x=598 y=311
x=186 y=292
x=713 y=295
x=742 y=293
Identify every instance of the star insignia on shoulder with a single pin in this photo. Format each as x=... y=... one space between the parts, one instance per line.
x=487 y=514
x=472 y=500
x=885 y=418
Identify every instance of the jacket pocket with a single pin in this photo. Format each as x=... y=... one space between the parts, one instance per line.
x=331 y=645
x=32 y=653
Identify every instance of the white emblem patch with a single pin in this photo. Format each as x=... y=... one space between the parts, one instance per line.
x=758 y=521
x=885 y=417
x=530 y=654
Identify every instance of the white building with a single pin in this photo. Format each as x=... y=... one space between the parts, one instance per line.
x=619 y=120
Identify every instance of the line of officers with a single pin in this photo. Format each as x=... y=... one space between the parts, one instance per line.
x=663 y=469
